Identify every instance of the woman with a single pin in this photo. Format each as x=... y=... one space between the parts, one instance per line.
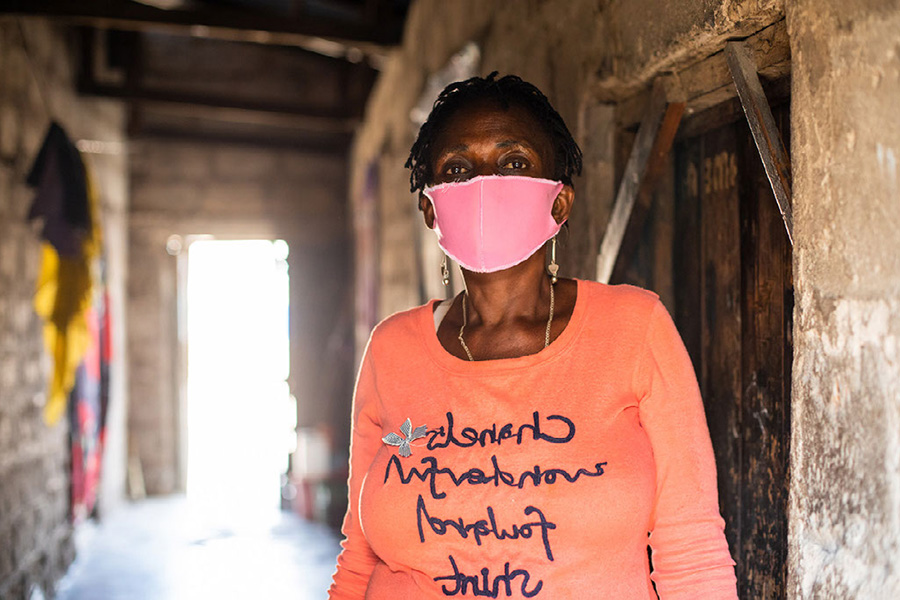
x=524 y=439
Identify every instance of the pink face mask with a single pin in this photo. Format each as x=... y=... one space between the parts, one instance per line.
x=493 y=222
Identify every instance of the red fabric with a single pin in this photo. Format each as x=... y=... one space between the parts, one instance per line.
x=85 y=426
x=559 y=466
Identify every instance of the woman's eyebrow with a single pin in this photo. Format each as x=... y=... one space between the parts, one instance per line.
x=456 y=148
x=511 y=143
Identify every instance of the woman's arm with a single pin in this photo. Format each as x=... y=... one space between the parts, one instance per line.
x=356 y=561
x=690 y=553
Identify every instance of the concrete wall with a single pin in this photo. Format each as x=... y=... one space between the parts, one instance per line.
x=35 y=531
x=845 y=501
x=230 y=191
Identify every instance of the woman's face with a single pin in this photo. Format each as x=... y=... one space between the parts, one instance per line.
x=486 y=139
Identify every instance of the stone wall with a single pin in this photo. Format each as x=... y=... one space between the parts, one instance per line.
x=845 y=500
x=35 y=86
x=231 y=191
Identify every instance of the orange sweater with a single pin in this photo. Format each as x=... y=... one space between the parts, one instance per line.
x=539 y=476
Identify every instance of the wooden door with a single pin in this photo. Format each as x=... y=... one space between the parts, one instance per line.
x=733 y=302
x=715 y=249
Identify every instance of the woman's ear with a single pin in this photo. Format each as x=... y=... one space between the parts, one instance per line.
x=427 y=210
x=562 y=206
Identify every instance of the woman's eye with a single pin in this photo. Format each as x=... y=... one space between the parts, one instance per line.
x=455 y=170
x=515 y=164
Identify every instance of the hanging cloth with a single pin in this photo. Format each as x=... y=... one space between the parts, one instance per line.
x=66 y=202
x=85 y=425
x=61 y=200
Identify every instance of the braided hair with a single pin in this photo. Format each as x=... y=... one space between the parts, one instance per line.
x=507 y=90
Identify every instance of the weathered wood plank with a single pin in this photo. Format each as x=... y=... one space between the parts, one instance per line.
x=662 y=234
x=656 y=165
x=720 y=373
x=648 y=155
x=766 y=310
x=685 y=248
x=762 y=125
x=734 y=309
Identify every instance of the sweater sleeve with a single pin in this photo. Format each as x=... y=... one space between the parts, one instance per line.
x=357 y=560
x=687 y=534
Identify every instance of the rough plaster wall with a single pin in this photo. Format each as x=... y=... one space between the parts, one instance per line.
x=647 y=37
x=845 y=491
x=229 y=191
x=35 y=532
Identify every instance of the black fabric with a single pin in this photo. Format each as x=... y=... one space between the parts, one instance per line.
x=61 y=198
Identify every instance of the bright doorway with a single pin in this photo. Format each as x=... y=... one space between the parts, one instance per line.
x=241 y=417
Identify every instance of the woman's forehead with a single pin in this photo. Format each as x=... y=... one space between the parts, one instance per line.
x=491 y=121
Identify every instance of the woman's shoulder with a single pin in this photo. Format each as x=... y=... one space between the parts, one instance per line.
x=401 y=326
x=618 y=298
x=623 y=312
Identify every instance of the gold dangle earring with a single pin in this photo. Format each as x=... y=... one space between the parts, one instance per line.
x=553 y=268
x=445 y=272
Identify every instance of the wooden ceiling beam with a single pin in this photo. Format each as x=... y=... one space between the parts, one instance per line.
x=338 y=39
x=333 y=144
x=266 y=112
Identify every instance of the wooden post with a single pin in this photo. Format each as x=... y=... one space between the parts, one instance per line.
x=762 y=124
x=651 y=146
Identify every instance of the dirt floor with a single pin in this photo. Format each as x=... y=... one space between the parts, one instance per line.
x=169 y=549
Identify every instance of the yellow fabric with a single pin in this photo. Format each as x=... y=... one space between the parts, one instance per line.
x=63 y=296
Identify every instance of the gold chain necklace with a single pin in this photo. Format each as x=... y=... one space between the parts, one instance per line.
x=463 y=328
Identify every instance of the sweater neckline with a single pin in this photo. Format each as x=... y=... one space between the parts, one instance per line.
x=447 y=361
